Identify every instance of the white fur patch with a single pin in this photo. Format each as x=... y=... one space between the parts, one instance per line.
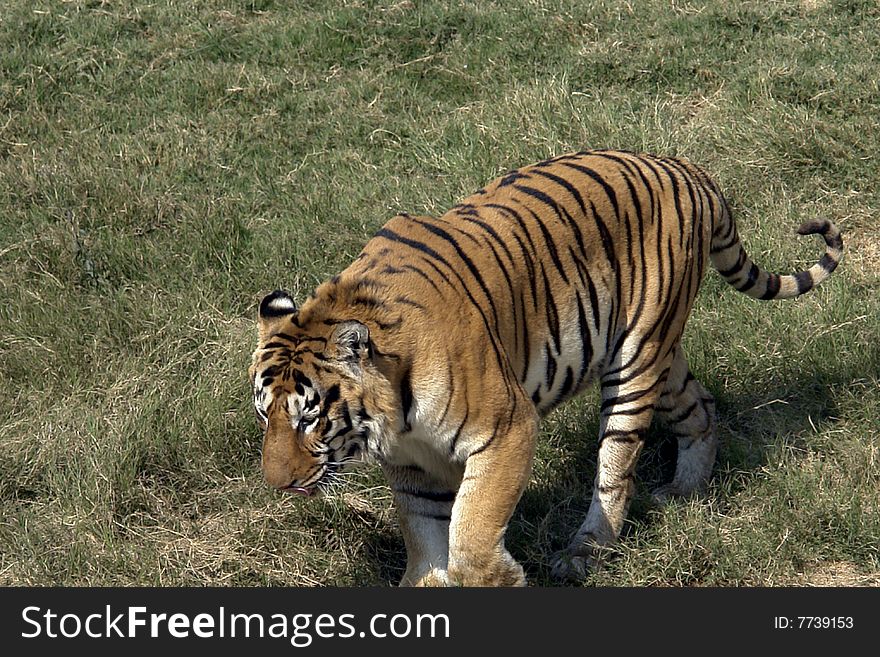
x=282 y=305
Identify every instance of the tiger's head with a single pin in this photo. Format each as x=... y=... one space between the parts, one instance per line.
x=319 y=397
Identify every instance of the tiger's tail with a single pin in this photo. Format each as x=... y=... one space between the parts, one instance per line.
x=731 y=260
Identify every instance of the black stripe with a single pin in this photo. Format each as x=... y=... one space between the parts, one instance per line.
x=625 y=399
x=368 y=302
x=530 y=269
x=486 y=227
x=568 y=186
x=733 y=241
x=632 y=411
x=440 y=517
x=682 y=414
x=567 y=385
x=730 y=271
x=443 y=496
x=552 y=313
x=451 y=391
x=276 y=345
x=828 y=263
x=458 y=229
x=527 y=254
x=608 y=245
x=622 y=435
x=501 y=266
x=676 y=197
x=406 y=398
x=409 y=302
x=526 y=338
x=688 y=181
x=425 y=276
x=512 y=177
x=609 y=190
x=492 y=438
x=330 y=396
x=389 y=234
x=636 y=202
x=804 y=281
x=835 y=242
x=605 y=234
x=604 y=490
x=627 y=167
x=389 y=326
x=551 y=368
x=594 y=303
x=586 y=340
x=563 y=213
x=773 y=283
x=649 y=163
x=442 y=234
x=344 y=414
x=468 y=209
x=357 y=445
x=644 y=367
x=460 y=427
x=548 y=238
x=672 y=313
x=749 y=283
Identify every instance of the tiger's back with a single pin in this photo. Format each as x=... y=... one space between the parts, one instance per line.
x=562 y=260
x=583 y=267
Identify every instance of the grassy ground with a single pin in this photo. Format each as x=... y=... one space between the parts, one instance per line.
x=164 y=164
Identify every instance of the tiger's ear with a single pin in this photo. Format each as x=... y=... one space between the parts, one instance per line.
x=275 y=308
x=351 y=341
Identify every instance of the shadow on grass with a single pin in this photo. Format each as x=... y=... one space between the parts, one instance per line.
x=384 y=557
x=752 y=425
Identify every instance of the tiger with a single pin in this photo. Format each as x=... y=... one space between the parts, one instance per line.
x=437 y=352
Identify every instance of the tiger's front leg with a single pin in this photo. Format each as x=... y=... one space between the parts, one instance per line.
x=496 y=473
x=424 y=510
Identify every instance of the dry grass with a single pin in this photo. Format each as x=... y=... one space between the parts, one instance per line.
x=163 y=166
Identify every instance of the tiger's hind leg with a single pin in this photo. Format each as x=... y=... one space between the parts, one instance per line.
x=688 y=409
x=627 y=409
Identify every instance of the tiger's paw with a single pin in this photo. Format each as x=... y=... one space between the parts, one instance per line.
x=574 y=564
x=665 y=494
x=567 y=567
x=496 y=572
x=436 y=577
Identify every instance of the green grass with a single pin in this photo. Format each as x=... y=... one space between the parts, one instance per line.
x=162 y=165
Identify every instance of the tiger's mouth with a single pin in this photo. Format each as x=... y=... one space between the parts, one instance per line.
x=317 y=486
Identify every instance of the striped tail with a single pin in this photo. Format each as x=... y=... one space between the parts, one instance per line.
x=730 y=259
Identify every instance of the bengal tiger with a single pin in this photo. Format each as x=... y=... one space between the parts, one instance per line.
x=438 y=349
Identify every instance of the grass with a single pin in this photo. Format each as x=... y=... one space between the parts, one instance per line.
x=164 y=165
